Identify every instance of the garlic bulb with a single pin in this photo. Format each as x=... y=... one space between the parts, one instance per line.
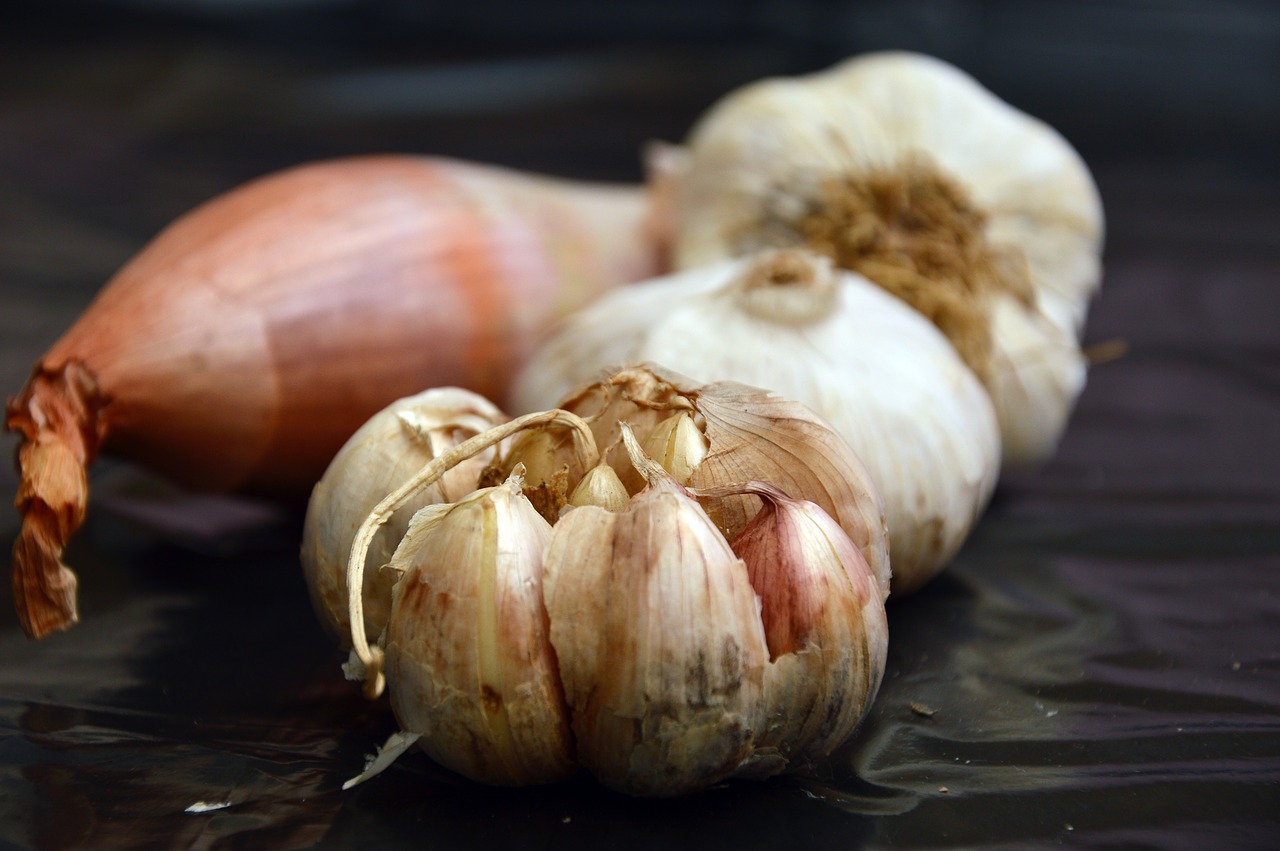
x=883 y=377
x=385 y=451
x=629 y=637
x=469 y=667
x=706 y=435
x=906 y=170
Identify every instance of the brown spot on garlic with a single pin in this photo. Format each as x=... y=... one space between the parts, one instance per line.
x=490 y=698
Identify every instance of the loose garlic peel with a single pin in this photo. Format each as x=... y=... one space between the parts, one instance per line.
x=387 y=449
x=904 y=169
x=629 y=641
x=882 y=377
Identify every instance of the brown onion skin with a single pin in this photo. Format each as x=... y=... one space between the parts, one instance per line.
x=245 y=343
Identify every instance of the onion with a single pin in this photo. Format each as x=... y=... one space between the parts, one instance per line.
x=250 y=338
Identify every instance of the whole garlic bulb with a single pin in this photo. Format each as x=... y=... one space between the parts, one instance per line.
x=904 y=169
x=630 y=637
x=390 y=447
x=884 y=378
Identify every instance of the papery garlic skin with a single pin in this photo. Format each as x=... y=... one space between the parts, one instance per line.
x=659 y=641
x=468 y=659
x=883 y=377
x=709 y=434
x=1038 y=373
x=761 y=158
x=825 y=625
x=390 y=447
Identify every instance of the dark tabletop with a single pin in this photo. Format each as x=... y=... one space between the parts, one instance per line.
x=1102 y=661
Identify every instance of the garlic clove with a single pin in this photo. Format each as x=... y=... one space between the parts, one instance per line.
x=386 y=450
x=678 y=445
x=659 y=641
x=468 y=660
x=600 y=487
x=824 y=622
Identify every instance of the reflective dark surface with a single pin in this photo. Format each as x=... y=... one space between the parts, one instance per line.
x=1101 y=666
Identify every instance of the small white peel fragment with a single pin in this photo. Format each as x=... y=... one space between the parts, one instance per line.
x=399 y=742
x=207 y=806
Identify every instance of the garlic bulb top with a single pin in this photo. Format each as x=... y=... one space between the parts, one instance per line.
x=880 y=374
x=714 y=434
x=903 y=168
x=392 y=445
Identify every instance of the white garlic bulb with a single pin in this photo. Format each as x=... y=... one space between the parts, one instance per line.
x=884 y=378
x=390 y=447
x=631 y=637
x=904 y=169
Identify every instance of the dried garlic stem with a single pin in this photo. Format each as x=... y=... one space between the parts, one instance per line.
x=372 y=657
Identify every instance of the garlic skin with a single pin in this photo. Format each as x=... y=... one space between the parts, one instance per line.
x=392 y=445
x=707 y=435
x=825 y=625
x=468 y=661
x=924 y=139
x=660 y=645
x=880 y=374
